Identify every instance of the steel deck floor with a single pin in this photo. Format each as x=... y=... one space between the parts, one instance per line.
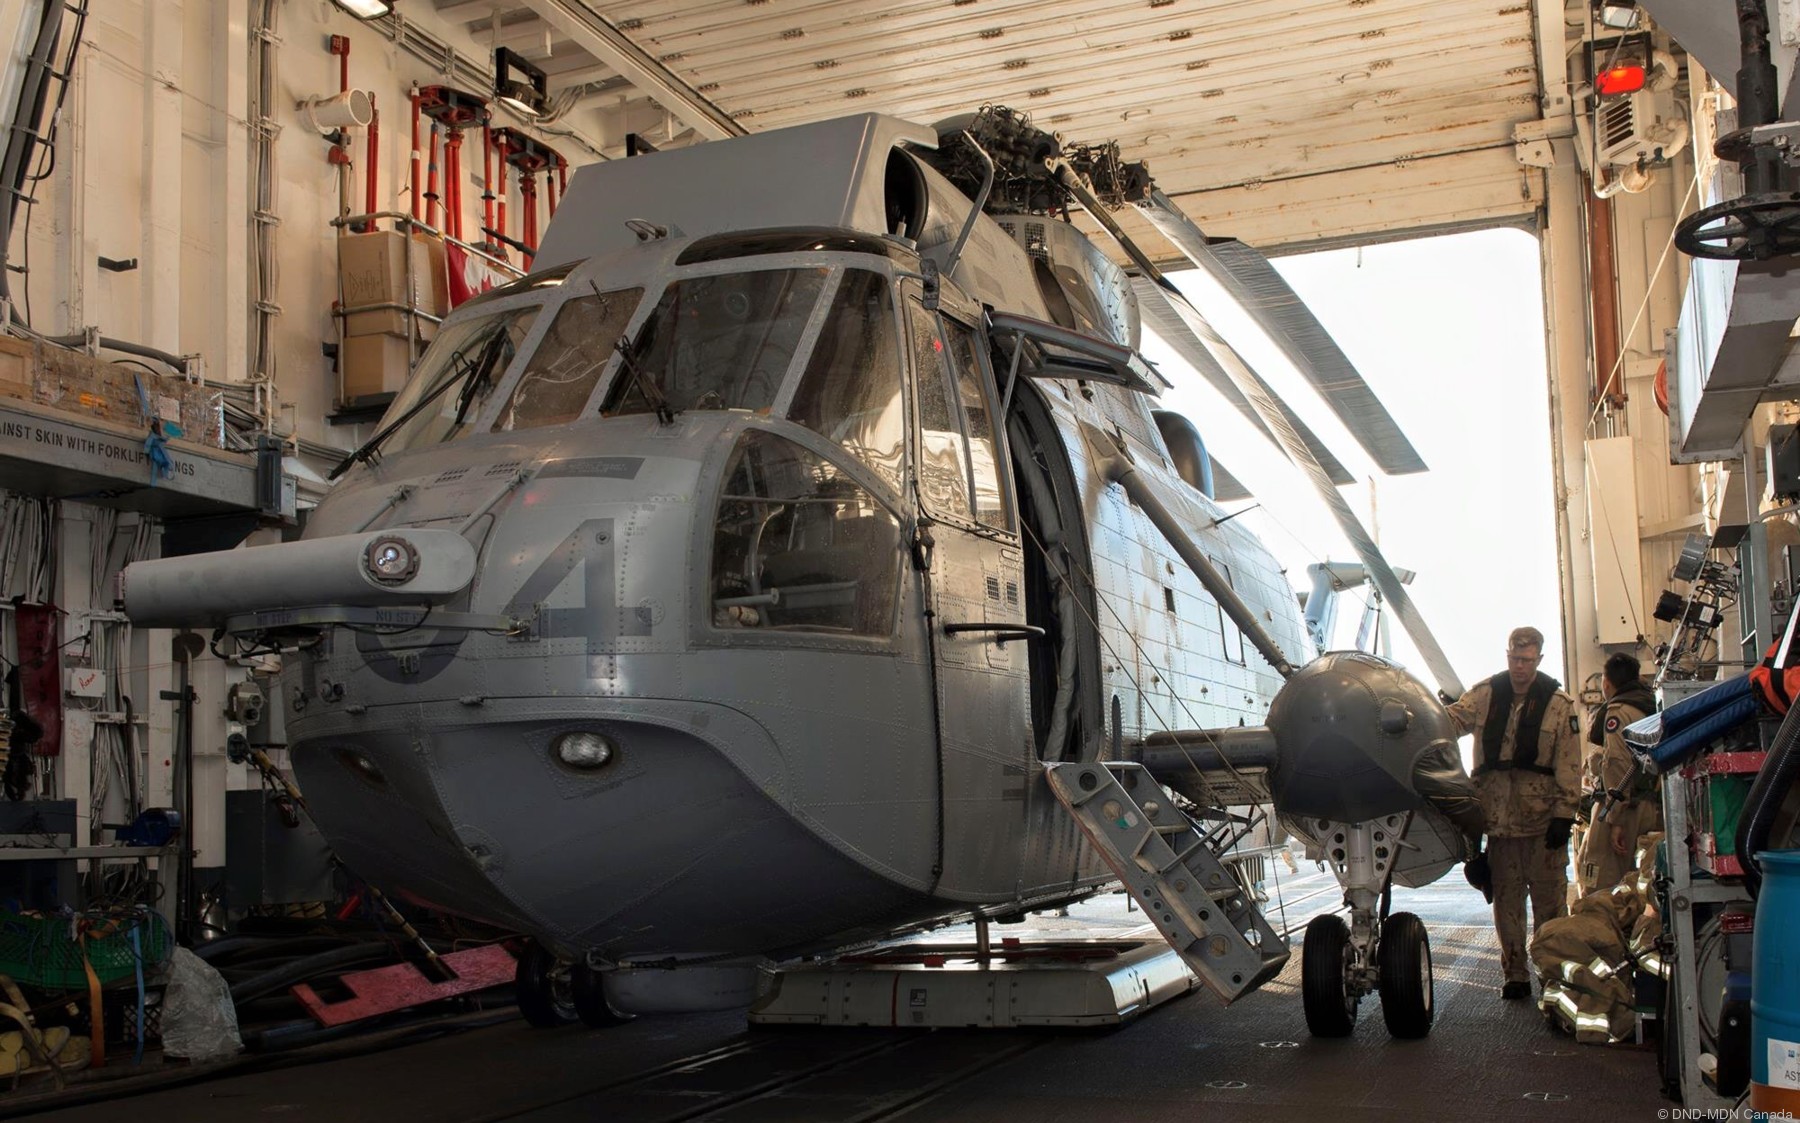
x=1485 y=1060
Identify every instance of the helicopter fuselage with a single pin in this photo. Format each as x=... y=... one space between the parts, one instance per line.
x=773 y=567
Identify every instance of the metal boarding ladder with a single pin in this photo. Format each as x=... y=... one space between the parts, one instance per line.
x=1195 y=902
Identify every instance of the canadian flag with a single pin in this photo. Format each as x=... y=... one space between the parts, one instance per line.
x=470 y=274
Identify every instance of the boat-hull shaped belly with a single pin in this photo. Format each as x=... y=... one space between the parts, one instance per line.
x=666 y=850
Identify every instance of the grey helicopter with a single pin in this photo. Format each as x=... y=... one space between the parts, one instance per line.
x=786 y=560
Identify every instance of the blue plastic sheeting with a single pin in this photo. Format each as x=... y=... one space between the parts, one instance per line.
x=1670 y=738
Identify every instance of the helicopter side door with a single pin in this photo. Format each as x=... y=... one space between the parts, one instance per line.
x=975 y=605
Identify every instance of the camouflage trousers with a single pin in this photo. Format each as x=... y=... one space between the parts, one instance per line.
x=1522 y=867
x=1597 y=865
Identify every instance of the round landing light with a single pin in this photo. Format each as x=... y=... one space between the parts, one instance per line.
x=586 y=751
x=391 y=560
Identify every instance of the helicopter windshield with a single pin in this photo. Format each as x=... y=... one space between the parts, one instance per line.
x=568 y=360
x=721 y=342
x=455 y=378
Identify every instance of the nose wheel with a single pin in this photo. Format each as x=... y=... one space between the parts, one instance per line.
x=553 y=993
x=1374 y=952
x=1326 y=990
x=587 y=987
x=542 y=987
x=1408 y=997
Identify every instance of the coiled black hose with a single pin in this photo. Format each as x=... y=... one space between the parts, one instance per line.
x=230 y=950
x=298 y=971
x=1767 y=793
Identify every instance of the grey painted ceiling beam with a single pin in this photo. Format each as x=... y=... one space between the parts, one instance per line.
x=468 y=11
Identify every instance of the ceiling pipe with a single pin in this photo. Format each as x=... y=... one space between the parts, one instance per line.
x=611 y=46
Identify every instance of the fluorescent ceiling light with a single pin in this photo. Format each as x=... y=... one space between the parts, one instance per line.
x=519 y=84
x=366 y=9
x=1621 y=15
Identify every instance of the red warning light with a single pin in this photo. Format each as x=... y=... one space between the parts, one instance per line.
x=1626 y=78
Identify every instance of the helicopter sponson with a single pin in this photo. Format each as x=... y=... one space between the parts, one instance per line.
x=1360 y=737
x=1350 y=737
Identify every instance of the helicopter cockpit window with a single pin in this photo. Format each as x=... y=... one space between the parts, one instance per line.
x=798 y=546
x=720 y=342
x=455 y=377
x=958 y=465
x=851 y=391
x=568 y=360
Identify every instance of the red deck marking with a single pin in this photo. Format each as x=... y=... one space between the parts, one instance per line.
x=386 y=989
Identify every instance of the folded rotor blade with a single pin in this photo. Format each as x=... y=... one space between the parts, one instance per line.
x=1379 y=571
x=1177 y=334
x=1267 y=297
x=1164 y=294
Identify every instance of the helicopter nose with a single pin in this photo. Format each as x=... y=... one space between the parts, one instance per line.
x=556 y=827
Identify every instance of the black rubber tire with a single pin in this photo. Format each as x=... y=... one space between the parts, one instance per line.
x=1330 y=1011
x=543 y=991
x=1408 y=994
x=1668 y=1039
x=587 y=989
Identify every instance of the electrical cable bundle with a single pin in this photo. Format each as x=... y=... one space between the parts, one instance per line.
x=25 y=548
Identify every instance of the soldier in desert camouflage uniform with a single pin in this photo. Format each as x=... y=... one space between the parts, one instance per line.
x=1528 y=771
x=1623 y=796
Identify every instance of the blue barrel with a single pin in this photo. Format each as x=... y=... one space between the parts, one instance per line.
x=1775 y=986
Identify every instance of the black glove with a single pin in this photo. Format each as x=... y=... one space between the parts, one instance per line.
x=1556 y=835
x=1476 y=871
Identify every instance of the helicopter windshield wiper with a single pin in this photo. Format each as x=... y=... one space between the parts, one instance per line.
x=645 y=382
x=464 y=368
x=484 y=366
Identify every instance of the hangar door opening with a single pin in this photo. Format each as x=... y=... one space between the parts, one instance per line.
x=1449 y=332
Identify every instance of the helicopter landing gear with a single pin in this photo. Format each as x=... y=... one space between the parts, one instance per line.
x=543 y=987
x=587 y=989
x=1374 y=952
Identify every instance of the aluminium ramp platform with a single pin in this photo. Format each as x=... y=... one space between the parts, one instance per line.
x=1066 y=983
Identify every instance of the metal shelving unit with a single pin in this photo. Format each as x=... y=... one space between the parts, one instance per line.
x=1686 y=893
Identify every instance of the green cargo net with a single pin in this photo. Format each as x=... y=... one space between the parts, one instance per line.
x=47 y=951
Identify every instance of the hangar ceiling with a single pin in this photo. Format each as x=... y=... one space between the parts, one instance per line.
x=1263 y=106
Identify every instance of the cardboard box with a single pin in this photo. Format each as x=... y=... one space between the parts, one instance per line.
x=440 y=274
x=16 y=367
x=372 y=270
x=374 y=364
